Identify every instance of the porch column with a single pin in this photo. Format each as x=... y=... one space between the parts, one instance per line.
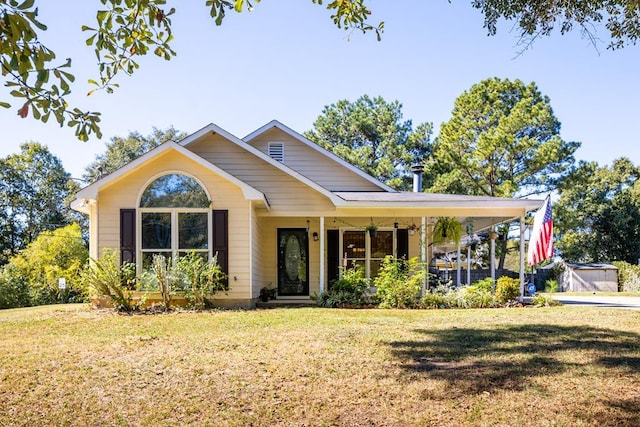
x=458 y=267
x=493 y=257
x=423 y=254
x=469 y=265
x=321 y=254
x=522 y=256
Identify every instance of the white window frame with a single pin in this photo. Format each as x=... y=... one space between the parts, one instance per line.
x=174 y=222
x=367 y=246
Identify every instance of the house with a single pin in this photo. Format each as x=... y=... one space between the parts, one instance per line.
x=277 y=209
x=589 y=277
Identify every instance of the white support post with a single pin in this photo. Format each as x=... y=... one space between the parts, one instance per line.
x=522 y=257
x=321 y=231
x=469 y=265
x=493 y=258
x=423 y=254
x=458 y=267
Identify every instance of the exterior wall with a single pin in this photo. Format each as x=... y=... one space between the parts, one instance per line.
x=283 y=192
x=124 y=193
x=312 y=164
x=257 y=255
x=590 y=280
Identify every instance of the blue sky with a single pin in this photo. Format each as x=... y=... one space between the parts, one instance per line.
x=286 y=61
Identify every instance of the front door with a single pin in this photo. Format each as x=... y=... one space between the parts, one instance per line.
x=293 y=262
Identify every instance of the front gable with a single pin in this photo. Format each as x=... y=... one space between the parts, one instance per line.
x=311 y=160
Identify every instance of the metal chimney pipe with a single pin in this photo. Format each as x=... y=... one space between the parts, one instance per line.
x=417 y=170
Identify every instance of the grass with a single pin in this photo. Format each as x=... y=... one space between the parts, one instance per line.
x=561 y=366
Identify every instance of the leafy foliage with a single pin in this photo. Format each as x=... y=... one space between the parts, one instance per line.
x=502 y=140
x=628 y=276
x=34 y=189
x=351 y=289
x=539 y=18
x=201 y=278
x=52 y=255
x=14 y=289
x=507 y=289
x=597 y=215
x=399 y=282
x=370 y=134
x=104 y=277
x=447 y=229
x=124 y=31
x=121 y=151
x=477 y=295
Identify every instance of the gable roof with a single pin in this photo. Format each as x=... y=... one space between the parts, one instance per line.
x=249 y=148
x=276 y=124
x=90 y=192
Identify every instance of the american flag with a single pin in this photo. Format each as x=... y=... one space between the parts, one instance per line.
x=541 y=240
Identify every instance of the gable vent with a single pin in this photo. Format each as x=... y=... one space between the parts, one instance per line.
x=276 y=151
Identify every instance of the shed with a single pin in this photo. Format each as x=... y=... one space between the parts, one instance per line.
x=595 y=277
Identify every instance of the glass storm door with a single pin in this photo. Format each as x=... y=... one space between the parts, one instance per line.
x=293 y=262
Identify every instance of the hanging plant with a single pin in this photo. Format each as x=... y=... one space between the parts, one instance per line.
x=372 y=229
x=447 y=229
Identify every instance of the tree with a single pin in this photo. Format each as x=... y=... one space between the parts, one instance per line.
x=502 y=140
x=60 y=253
x=121 y=151
x=124 y=31
x=597 y=218
x=34 y=190
x=370 y=134
x=539 y=18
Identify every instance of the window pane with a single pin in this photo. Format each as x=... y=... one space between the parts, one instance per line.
x=382 y=245
x=193 y=230
x=174 y=191
x=147 y=259
x=156 y=230
x=353 y=244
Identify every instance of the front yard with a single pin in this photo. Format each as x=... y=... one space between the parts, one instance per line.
x=70 y=365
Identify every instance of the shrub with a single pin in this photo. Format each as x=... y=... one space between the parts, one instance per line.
x=551 y=286
x=164 y=279
x=200 y=279
x=14 y=289
x=628 y=276
x=507 y=289
x=104 y=277
x=485 y=284
x=399 y=282
x=351 y=289
x=540 y=300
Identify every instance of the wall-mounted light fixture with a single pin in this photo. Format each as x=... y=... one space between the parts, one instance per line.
x=315 y=236
x=308 y=225
x=395 y=225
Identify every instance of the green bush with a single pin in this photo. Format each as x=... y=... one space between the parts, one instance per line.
x=485 y=284
x=551 y=286
x=477 y=295
x=199 y=279
x=104 y=277
x=399 y=282
x=351 y=289
x=507 y=289
x=540 y=300
x=14 y=289
x=628 y=276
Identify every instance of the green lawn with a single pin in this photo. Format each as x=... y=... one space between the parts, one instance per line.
x=562 y=366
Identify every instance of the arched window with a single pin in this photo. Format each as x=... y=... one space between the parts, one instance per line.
x=175 y=218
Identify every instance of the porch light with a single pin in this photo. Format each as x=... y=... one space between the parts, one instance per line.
x=308 y=225
x=315 y=236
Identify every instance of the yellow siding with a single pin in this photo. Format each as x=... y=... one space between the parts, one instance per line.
x=312 y=164
x=283 y=192
x=124 y=193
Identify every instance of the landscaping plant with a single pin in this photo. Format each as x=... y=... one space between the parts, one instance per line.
x=104 y=277
x=398 y=282
x=200 y=278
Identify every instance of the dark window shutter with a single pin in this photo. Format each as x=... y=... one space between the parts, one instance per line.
x=220 y=237
x=403 y=243
x=127 y=236
x=333 y=255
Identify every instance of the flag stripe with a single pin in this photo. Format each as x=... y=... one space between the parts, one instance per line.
x=541 y=240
